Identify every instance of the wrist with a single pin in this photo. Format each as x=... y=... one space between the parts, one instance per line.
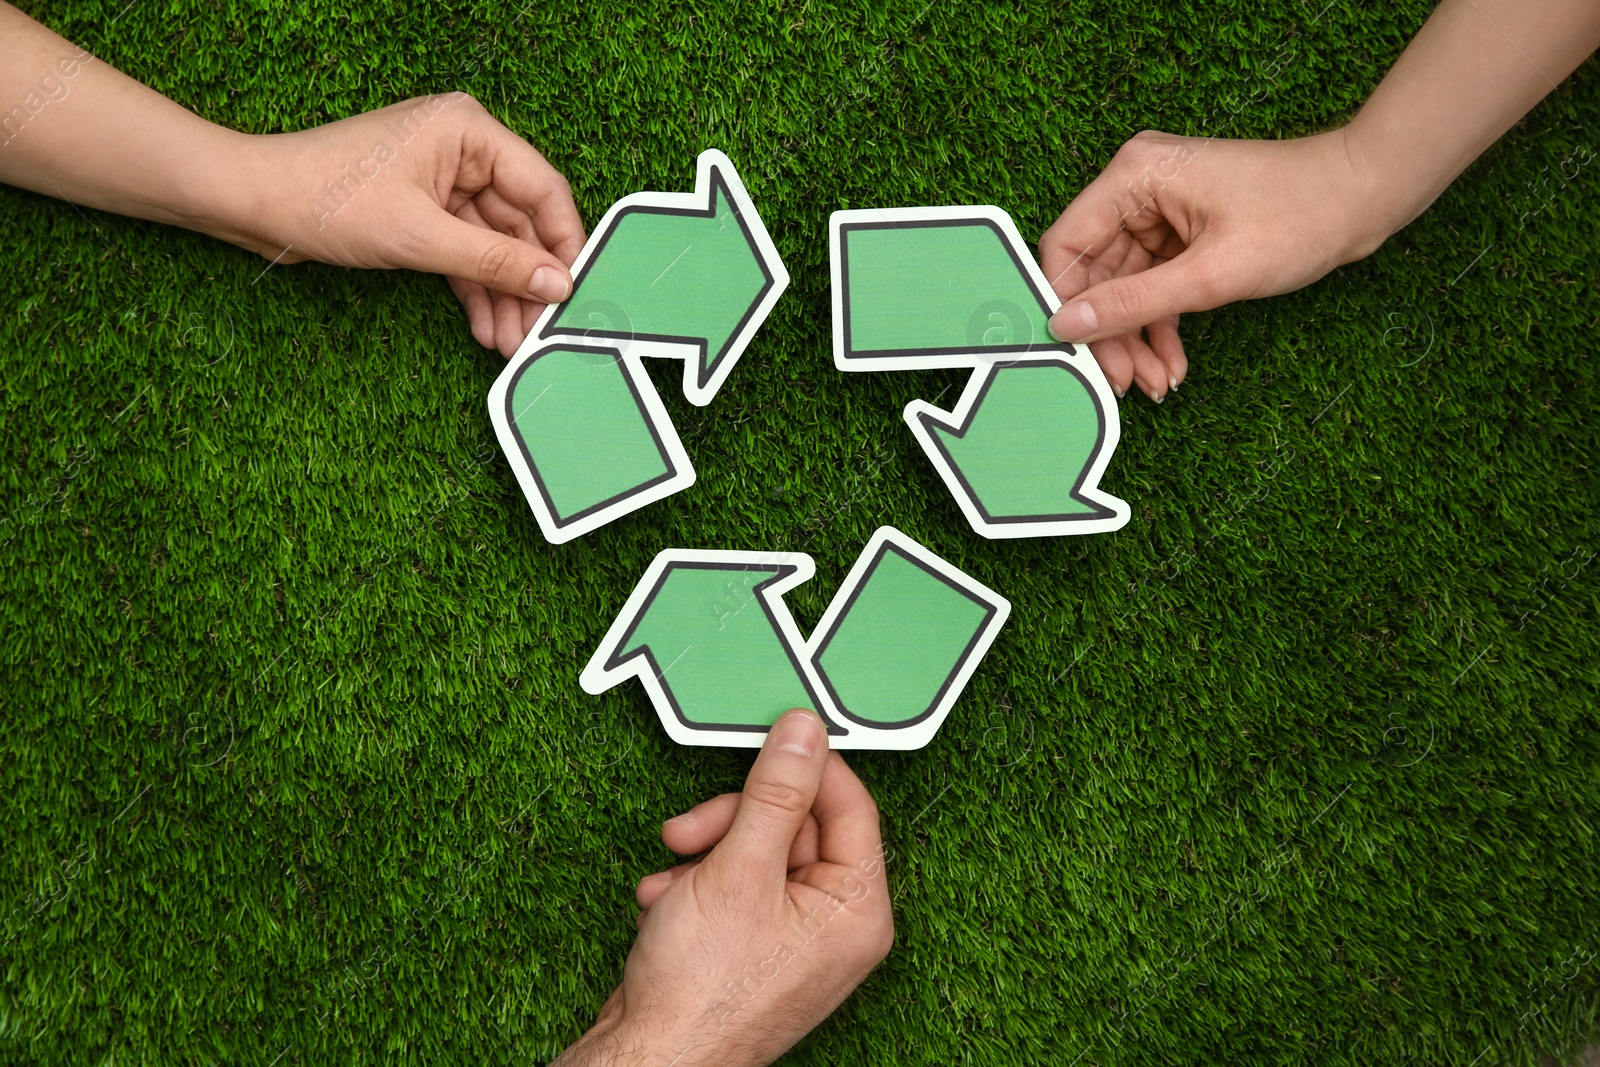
x=1381 y=201
x=227 y=198
x=608 y=1044
x=618 y=1041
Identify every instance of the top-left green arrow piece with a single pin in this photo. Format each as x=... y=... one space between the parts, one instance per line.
x=687 y=276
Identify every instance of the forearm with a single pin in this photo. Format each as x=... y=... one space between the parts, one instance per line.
x=73 y=127
x=1475 y=68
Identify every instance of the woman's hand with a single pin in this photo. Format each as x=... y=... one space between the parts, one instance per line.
x=434 y=184
x=1178 y=224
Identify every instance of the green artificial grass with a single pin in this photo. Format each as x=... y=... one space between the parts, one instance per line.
x=1301 y=766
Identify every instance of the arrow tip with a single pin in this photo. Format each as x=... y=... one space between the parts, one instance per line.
x=753 y=278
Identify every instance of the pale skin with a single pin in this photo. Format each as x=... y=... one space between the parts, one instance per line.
x=450 y=191
x=745 y=949
x=1182 y=224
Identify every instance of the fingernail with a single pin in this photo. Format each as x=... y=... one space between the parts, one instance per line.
x=1157 y=399
x=550 y=285
x=798 y=732
x=1119 y=390
x=1074 y=322
x=1172 y=384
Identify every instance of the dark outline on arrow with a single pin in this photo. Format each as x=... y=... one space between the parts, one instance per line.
x=844 y=613
x=618 y=658
x=851 y=352
x=704 y=372
x=617 y=360
x=959 y=432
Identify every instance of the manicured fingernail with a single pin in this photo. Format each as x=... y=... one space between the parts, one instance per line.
x=798 y=732
x=1172 y=384
x=1157 y=399
x=1074 y=322
x=1119 y=390
x=550 y=285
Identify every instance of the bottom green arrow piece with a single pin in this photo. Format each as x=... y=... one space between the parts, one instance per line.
x=721 y=658
x=714 y=634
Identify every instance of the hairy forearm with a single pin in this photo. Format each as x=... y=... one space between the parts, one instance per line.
x=1475 y=68
x=73 y=127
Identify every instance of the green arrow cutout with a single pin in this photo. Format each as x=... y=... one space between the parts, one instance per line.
x=925 y=288
x=687 y=276
x=721 y=658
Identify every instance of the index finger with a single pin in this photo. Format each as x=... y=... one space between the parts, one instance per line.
x=848 y=832
x=1087 y=228
x=526 y=180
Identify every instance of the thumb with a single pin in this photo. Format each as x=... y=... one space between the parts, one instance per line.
x=497 y=261
x=1117 y=306
x=777 y=796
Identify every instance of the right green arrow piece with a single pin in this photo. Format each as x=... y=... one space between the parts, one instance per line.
x=899 y=641
x=1025 y=447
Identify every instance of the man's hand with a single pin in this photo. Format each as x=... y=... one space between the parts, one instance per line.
x=1177 y=224
x=434 y=184
x=741 y=952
